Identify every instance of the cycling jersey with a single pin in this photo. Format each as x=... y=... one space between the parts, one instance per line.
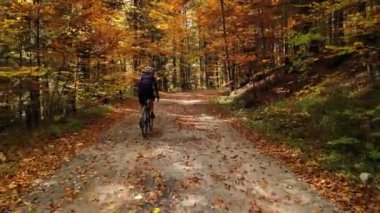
x=147 y=87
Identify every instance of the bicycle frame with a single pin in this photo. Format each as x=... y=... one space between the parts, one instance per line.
x=146 y=121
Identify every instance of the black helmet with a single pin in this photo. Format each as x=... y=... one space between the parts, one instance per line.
x=148 y=69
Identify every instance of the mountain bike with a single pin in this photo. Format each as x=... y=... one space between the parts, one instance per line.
x=146 y=120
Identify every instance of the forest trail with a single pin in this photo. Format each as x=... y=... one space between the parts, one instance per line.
x=193 y=162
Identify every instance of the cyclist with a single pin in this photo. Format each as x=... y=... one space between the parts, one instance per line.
x=147 y=88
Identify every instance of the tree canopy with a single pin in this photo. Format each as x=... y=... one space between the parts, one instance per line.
x=56 y=55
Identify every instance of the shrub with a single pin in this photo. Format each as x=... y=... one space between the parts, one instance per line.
x=74 y=124
x=231 y=103
x=97 y=112
x=345 y=126
x=305 y=39
x=374 y=155
x=345 y=144
x=54 y=130
x=332 y=160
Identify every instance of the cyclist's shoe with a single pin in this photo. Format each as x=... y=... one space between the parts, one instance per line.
x=153 y=115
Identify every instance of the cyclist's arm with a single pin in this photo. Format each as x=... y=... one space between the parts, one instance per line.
x=138 y=84
x=155 y=86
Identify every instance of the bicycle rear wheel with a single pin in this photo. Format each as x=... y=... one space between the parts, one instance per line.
x=144 y=125
x=150 y=123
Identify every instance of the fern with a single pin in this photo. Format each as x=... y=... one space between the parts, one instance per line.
x=374 y=155
x=302 y=39
x=344 y=141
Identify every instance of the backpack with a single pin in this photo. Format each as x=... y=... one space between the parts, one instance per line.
x=146 y=80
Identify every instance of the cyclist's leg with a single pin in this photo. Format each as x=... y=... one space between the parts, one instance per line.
x=151 y=104
x=142 y=100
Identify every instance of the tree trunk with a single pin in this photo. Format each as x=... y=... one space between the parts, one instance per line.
x=34 y=93
x=338 y=27
x=182 y=71
x=174 y=74
x=21 y=61
x=228 y=74
x=135 y=23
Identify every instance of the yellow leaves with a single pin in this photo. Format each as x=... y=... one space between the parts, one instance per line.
x=170 y=19
x=12 y=185
x=111 y=207
x=138 y=197
x=359 y=209
x=3 y=157
x=162 y=26
x=165 y=7
x=156 y=210
x=10 y=72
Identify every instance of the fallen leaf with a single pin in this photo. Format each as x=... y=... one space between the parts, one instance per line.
x=12 y=185
x=139 y=197
x=153 y=197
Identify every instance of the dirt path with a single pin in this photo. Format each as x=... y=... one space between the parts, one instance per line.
x=193 y=162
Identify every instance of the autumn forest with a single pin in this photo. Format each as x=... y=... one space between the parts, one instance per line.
x=303 y=73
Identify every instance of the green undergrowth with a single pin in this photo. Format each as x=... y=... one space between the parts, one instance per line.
x=341 y=130
x=16 y=139
x=56 y=127
x=61 y=126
